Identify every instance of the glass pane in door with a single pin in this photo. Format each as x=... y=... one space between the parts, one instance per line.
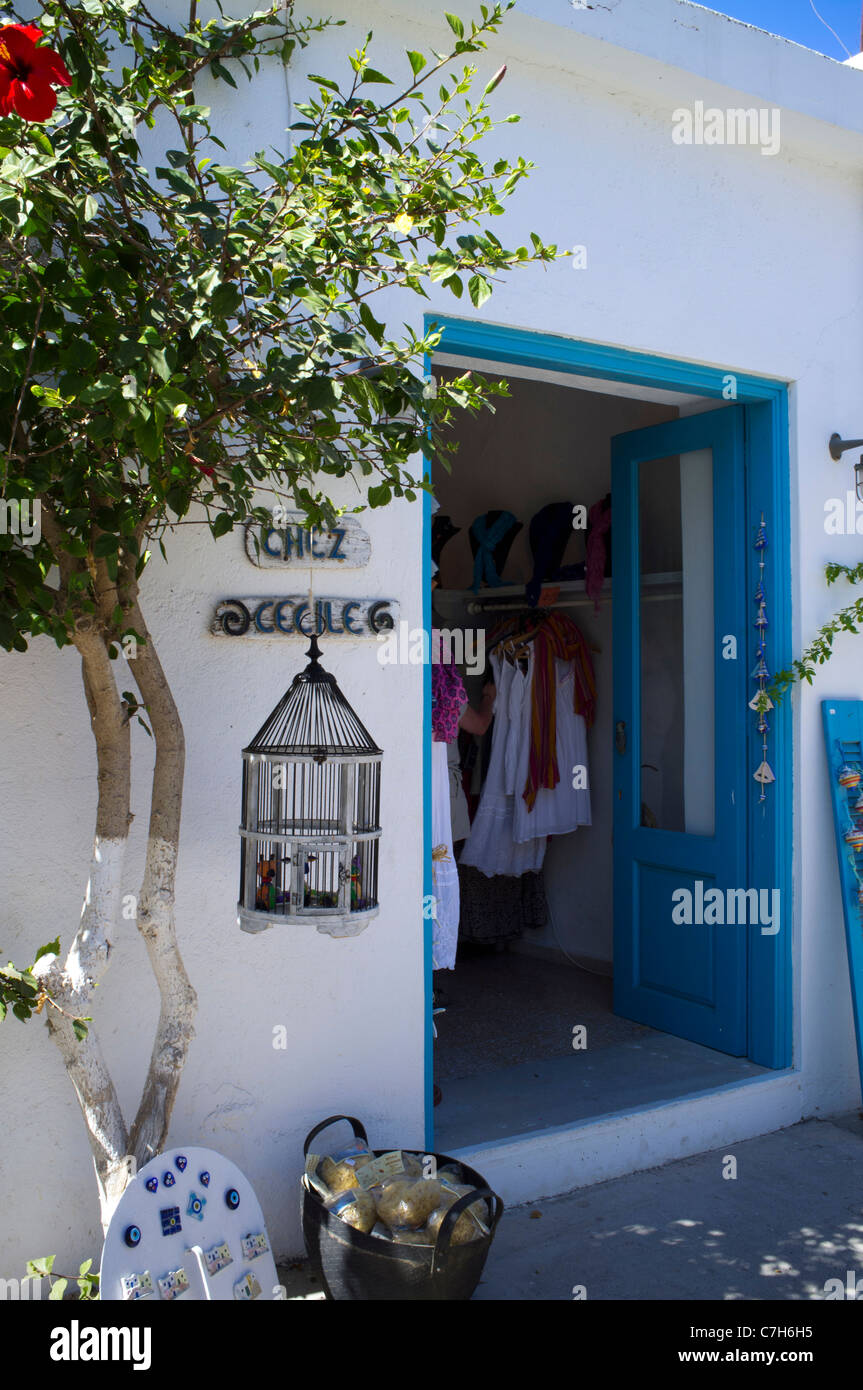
x=677 y=642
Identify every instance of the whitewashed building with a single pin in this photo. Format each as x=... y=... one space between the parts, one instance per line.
x=715 y=300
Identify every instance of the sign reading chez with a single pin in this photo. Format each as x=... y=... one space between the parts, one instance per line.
x=289 y=617
x=287 y=542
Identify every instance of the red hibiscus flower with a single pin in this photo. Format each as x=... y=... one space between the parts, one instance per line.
x=28 y=74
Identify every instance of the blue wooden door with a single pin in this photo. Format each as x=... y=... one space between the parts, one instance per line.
x=680 y=714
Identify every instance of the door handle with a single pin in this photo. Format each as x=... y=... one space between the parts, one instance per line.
x=620 y=735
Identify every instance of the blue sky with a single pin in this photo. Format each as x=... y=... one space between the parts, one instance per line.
x=794 y=19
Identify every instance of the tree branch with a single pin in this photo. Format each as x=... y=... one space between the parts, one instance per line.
x=156 y=923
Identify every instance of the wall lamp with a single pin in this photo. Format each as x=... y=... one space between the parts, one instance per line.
x=837 y=447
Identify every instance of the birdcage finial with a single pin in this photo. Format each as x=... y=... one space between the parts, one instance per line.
x=313 y=653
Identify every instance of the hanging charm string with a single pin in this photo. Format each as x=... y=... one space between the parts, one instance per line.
x=761 y=703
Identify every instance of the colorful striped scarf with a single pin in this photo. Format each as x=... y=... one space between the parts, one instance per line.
x=558 y=638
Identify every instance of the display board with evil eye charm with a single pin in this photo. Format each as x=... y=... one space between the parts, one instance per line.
x=188 y=1226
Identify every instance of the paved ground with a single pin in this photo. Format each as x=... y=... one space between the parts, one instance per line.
x=790 y=1220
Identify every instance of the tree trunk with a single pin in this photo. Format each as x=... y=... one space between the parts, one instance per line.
x=156 y=920
x=71 y=983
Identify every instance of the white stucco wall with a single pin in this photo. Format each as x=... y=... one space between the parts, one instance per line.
x=712 y=254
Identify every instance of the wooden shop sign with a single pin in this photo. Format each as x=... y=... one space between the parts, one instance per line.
x=290 y=543
x=289 y=617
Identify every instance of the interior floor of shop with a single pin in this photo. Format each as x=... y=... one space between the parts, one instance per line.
x=504 y=1056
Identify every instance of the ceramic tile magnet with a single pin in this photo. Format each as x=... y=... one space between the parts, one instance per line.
x=181 y=1162
x=168 y=1179
x=204 y=1178
x=219 y=1257
x=196 y=1206
x=137 y=1286
x=253 y=1246
x=152 y=1184
x=171 y=1222
x=247 y=1288
x=173 y=1283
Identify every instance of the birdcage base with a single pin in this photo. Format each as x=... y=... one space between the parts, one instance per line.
x=330 y=924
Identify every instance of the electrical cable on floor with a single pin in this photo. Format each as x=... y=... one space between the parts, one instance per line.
x=586 y=968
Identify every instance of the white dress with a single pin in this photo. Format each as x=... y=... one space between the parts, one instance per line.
x=444 y=872
x=561 y=809
x=490 y=846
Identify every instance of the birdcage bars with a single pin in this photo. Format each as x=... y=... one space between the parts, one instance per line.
x=310 y=813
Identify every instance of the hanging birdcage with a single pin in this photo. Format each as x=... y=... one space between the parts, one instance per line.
x=311 y=812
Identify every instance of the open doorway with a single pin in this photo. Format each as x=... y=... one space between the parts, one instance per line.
x=534 y=1029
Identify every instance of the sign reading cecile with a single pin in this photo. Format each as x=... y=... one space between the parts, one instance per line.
x=289 y=617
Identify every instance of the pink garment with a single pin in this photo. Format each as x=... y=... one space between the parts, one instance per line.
x=599 y=517
x=449 y=698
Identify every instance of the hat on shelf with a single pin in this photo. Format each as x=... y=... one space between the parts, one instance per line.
x=491 y=538
x=442 y=530
x=549 y=534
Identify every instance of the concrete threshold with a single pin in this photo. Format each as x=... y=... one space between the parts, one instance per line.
x=580 y=1085
x=550 y=1161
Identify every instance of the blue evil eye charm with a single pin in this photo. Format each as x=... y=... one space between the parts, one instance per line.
x=761 y=538
x=196 y=1206
x=181 y=1162
x=168 y=1179
x=152 y=1184
x=132 y=1236
x=759 y=595
x=232 y=1198
x=204 y=1178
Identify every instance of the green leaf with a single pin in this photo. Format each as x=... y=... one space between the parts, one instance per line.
x=157 y=360
x=371 y=324
x=43 y=1265
x=51 y=948
x=372 y=75
x=417 y=61
x=455 y=24
x=79 y=1028
x=58 y=1289
x=479 y=290
x=324 y=81
x=106 y=545
x=379 y=496
x=42 y=140
x=91 y=207
x=222 y=525
x=225 y=300
x=219 y=70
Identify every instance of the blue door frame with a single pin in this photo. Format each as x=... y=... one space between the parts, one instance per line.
x=767 y=492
